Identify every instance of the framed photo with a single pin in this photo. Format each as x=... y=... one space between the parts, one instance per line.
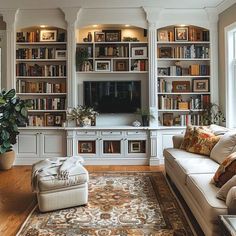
x=86 y=146
x=112 y=35
x=165 y=52
x=181 y=34
x=181 y=86
x=102 y=66
x=48 y=35
x=135 y=146
x=163 y=35
x=168 y=119
x=99 y=36
x=58 y=120
x=60 y=54
x=49 y=119
x=121 y=65
x=163 y=71
x=139 y=52
x=200 y=85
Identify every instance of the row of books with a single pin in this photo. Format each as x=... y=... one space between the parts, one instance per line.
x=47 y=119
x=196 y=34
x=197 y=69
x=48 y=104
x=40 y=87
x=193 y=119
x=139 y=65
x=24 y=69
x=111 y=51
x=193 y=51
x=32 y=36
x=174 y=103
x=36 y=53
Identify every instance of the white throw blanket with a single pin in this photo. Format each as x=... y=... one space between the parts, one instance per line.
x=58 y=167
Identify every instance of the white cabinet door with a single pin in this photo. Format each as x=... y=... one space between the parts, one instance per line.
x=52 y=144
x=27 y=145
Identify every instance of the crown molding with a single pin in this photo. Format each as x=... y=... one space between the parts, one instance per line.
x=225 y=5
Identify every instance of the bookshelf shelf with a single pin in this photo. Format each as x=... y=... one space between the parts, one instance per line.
x=183 y=66
x=41 y=75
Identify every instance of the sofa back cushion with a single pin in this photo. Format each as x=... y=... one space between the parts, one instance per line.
x=202 y=141
x=225 y=171
x=225 y=146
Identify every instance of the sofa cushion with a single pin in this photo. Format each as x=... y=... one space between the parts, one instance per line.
x=222 y=193
x=202 y=141
x=204 y=194
x=187 y=166
x=225 y=146
x=187 y=137
x=218 y=130
x=225 y=171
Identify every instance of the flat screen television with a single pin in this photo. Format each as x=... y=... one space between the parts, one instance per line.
x=113 y=96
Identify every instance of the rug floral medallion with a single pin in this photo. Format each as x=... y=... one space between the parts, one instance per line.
x=135 y=203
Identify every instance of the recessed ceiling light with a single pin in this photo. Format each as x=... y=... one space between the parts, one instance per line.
x=95 y=26
x=127 y=25
x=42 y=26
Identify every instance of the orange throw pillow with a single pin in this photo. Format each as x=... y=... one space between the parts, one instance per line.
x=202 y=141
x=187 y=137
x=225 y=171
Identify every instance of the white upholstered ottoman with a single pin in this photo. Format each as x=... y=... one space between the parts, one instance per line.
x=55 y=192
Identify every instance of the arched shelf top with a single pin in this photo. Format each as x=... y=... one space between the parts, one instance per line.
x=182 y=25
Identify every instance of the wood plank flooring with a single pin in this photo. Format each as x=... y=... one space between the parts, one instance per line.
x=17 y=200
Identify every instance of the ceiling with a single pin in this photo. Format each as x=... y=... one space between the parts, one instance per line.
x=170 y=4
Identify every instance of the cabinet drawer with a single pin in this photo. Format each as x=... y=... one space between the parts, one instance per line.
x=137 y=132
x=86 y=132
x=111 y=132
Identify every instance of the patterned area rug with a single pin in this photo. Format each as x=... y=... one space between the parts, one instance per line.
x=128 y=203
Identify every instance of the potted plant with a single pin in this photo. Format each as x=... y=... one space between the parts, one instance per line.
x=13 y=113
x=82 y=62
x=83 y=115
x=146 y=116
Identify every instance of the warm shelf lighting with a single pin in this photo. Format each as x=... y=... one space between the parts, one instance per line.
x=95 y=26
x=127 y=25
x=182 y=25
x=42 y=26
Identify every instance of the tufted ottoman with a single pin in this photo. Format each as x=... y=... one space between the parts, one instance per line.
x=55 y=193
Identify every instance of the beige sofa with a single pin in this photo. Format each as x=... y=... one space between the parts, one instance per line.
x=192 y=174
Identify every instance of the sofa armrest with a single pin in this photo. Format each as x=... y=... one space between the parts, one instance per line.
x=177 y=140
x=231 y=201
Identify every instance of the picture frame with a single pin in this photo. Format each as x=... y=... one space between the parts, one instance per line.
x=163 y=71
x=48 y=36
x=60 y=54
x=135 y=147
x=49 y=120
x=162 y=35
x=200 y=85
x=165 y=52
x=181 y=33
x=112 y=35
x=139 y=52
x=99 y=36
x=121 y=65
x=58 y=120
x=168 y=119
x=86 y=147
x=180 y=86
x=102 y=65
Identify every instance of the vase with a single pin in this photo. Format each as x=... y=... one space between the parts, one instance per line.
x=83 y=122
x=6 y=160
x=145 y=120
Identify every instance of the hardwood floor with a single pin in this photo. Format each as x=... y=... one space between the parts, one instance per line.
x=17 y=200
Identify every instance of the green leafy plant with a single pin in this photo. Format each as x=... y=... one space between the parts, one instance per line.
x=81 y=57
x=13 y=113
x=146 y=116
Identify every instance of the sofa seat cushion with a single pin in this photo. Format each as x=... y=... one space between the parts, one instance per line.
x=78 y=176
x=173 y=153
x=204 y=193
x=187 y=166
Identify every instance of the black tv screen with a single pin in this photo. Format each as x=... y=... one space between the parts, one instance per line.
x=113 y=96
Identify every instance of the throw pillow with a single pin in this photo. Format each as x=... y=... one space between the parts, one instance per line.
x=222 y=193
x=225 y=171
x=225 y=146
x=189 y=135
x=202 y=141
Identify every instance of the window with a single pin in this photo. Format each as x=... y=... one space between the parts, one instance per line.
x=230 y=39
